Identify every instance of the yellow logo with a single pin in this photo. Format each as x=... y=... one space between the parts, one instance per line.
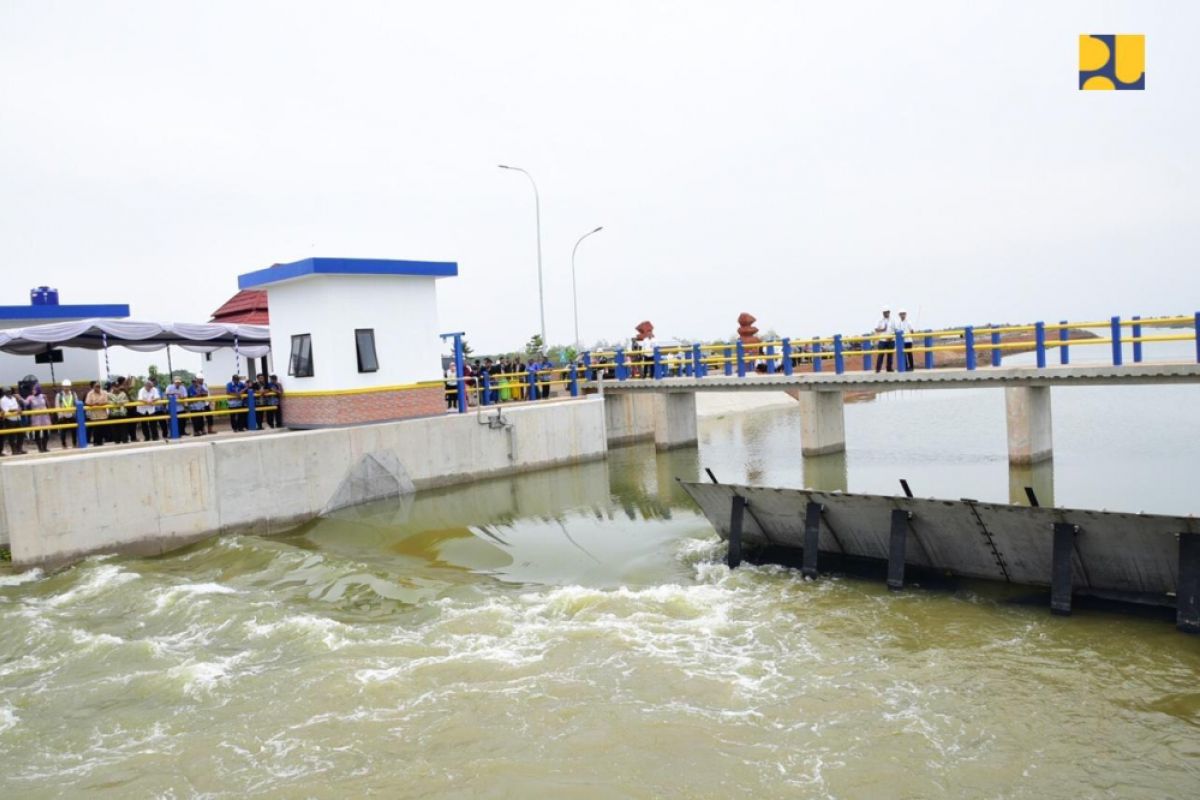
x=1112 y=61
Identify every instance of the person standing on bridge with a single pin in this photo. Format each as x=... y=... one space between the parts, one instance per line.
x=906 y=327
x=886 y=344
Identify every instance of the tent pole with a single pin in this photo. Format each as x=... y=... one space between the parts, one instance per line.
x=170 y=369
x=50 y=358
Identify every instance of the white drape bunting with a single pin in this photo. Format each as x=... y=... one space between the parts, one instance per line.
x=253 y=341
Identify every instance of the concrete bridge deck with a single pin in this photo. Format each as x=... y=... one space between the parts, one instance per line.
x=667 y=407
x=940 y=378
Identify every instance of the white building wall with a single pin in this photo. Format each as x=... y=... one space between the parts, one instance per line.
x=402 y=310
x=220 y=367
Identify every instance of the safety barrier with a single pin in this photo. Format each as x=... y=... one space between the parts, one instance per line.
x=839 y=351
x=171 y=405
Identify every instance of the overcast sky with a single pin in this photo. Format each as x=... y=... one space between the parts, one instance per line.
x=803 y=161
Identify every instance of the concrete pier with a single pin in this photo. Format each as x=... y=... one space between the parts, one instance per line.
x=822 y=423
x=1029 y=430
x=675 y=421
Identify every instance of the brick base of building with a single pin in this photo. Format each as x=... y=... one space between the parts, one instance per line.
x=351 y=409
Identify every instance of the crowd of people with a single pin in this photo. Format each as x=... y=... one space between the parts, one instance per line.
x=118 y=409
x=504 y=380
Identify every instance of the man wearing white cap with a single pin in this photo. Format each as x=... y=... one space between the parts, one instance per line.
x=887 y=343
x=905 y=327
x=65 y=402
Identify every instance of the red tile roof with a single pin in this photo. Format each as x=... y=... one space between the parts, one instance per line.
x=247 y=307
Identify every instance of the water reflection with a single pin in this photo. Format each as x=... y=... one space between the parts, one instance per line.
x=828 y=473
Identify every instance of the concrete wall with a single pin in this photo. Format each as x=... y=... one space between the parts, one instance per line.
x=630 y=417
x=150 y=500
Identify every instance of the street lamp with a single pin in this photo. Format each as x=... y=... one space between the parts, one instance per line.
x=574 y=295
x=537 y=207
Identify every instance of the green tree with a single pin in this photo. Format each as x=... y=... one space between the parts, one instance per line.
x=535 y=345
x=466 y=348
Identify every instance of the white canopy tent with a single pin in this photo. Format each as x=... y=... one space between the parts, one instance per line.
x=251 y=341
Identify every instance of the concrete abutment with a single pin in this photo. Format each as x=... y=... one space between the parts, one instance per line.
x=1027 y=410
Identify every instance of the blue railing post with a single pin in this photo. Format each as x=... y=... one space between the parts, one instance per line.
x=657 y=363
x=587 y=367
x=1196 y=334
x=251 y=413
x=866 y=346
x=173 y=414
x=969 y=342
x=1064 y=351
x=697 y=361
x=771 y=359
x=485 y=394
x=574 y=382
x=1116 y=341
x=620 y=364
x=741 y=359
x=728 y=360
x=1039 y=336
x=80 y=425
x=995 y=348
x=787 y=356
x=531 y=378
x=928 y=352
x=817 y=361
x=839 y=357
x=901 y=361
x=460 y=381
x=1137 y=340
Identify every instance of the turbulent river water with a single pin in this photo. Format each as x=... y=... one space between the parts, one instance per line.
x=573 y=633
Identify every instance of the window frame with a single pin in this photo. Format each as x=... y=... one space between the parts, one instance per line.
x=358 y=349
x=296 y=359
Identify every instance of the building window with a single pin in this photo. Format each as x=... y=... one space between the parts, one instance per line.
x=301 y=363
x=364 y=343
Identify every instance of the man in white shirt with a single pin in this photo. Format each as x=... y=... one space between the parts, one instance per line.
x=905 y=327
x=147 y=397
x=11 y=407
x=887 y=344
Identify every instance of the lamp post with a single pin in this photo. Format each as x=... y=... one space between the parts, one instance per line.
x=574 y=294
x=537 y=208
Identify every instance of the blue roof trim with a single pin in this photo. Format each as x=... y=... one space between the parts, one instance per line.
x=62 y=312
x=346 y=266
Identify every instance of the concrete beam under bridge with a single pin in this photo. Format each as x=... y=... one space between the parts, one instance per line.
x=1027 y=409
x=668 y=418
x=822 y=423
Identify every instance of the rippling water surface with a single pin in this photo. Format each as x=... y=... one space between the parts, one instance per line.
x=573 y=633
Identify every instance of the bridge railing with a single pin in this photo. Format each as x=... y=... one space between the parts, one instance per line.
x=968 y=347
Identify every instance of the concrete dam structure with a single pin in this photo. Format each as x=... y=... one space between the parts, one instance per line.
x=1138 y=558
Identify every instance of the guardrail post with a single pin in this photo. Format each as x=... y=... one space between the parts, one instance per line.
x=531 y=378
x=485 y=394
x=969 y=343
x=588 y=375
x=771 y=359
x=787 y=356
x=928 y=352
x=728 y=360
x=1064 y=351
x=1039 y=337
x=657 y=363
x=1196 y=334
x=621 y=368
x=1116 y=341
x=1137 y=340
x=574 y=382
x=80 y=425
x=741 y=358
x=816 y=356
x=901 y=361
x=251 y=412
x=866 y=347
x=995 y=348
x=839 y=357
x=697 y=361
x=173 y=415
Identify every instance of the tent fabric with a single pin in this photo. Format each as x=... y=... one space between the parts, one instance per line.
x=252 y=341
